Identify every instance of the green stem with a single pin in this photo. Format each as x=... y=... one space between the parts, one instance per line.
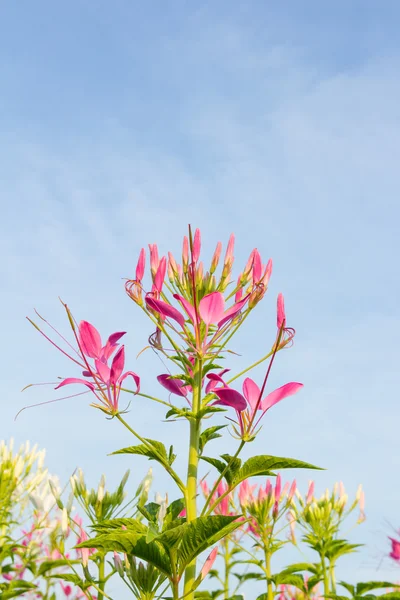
x=333 y=577
x=325 y=575
x=175 y=590
x=193 y=462
x=102 y=582
x=227 y=557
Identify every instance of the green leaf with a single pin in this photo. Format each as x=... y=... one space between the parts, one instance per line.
x=208 y=435
x=289 y=579
x=349 y=587
x=13 y=589
x=201 y=533
x=150 y=511
x=372 y=585
x=132 y=543
x=390 y=596
x=264 y=464
x=154 y=451
x=301 y=567
x=71 y=578
x=174 y=509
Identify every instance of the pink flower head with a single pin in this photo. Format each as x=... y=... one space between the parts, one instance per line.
x=251 y=401
x=102 y=380
x=107 y=381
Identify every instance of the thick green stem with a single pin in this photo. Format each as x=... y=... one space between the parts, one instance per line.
x=270 y=591
x=191 y=493
x=193 y=462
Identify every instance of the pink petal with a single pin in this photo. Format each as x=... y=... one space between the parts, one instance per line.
x=89 y=339
x=134 y=376
x=185 y=251
x=267 y=273
x=166 y=310
x=187 y=307
x=196 y=246
x=154 y=262
x=209 y=562
x=257 y=266
x=214 y=379
x=115 y=337
x=141 y=265
x=211 y=308
x=281 y=317
x=103 y=370
x=111 y=345
x=229 y=250
x=75 y=380
x=229 y=397
x=175 y=386
x=232 y=312
x=160 y=275
x=117 y=366
x=277 y=395
x=251 y=392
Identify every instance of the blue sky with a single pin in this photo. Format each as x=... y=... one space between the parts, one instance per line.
x=122 y=122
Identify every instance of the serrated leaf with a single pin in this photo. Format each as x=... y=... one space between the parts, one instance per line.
x=390 y=596
x=209 y=434
x=201 y=533
x=264 y=464
x=221 y=467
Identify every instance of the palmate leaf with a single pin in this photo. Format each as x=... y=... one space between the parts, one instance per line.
x=285 y=578
x=390 y=596
x=265 y=465
x=48 y=565
x=202 y=533
x=154 y=451
x=135 y=544
x=132 y=525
